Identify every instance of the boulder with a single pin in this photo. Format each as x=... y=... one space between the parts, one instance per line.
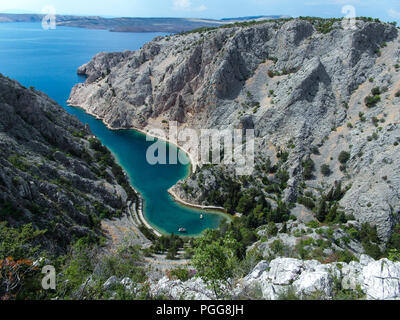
x=127 y=283
x=382 y=280
x=284 y=271
x=311 y=282
x=112 y=281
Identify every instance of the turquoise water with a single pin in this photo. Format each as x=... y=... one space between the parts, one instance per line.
x=48 y=60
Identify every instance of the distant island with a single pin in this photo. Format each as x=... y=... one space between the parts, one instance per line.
x=172 y=25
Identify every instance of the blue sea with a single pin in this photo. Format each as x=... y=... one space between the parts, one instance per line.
x=48 y=60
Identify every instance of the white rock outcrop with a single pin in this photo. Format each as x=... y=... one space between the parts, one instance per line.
x=193 y=289
x=381 y=280
x=378 y=280
x=110 y=283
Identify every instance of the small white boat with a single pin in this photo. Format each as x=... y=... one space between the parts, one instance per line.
x=201 y=216
x=182 y=230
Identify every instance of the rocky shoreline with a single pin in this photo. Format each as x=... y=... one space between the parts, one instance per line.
x=193 y=166
x=196 y=206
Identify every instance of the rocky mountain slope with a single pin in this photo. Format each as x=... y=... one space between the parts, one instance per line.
x=323 y=101
x=54 y=173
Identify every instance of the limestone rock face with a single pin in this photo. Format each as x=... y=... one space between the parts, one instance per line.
x=382 y=280
x=193 y=289
x=379 y=280
x=286 y=80
x=310 y=282
x=258 y=270
x=49 y=175
x=127 y=283
x=284 y=271
x=283 y=277
x=112 y=281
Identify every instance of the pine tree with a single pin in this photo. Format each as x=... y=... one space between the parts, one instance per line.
x=337 y=195
x=322 y=211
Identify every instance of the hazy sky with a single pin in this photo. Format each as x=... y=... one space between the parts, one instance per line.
x=388 y=10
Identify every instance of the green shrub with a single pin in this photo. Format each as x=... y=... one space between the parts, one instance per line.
x=322 y=210
x=307 y=202
x=368 y=236
x=282 y=156
x=325 y=27
x=180 y=274
x=394 y=241
x=354 y=234
x=272 y=229
x=394 y=255
x=372 y=250
x=346 y=256
x=18 y=163
x=313 y=224
x=344 y=157
x=278 y=247
x=373 y=99
x=315 y=150
x=308 y=168
x=326 y=170
x=376 y=91
x=171 y=253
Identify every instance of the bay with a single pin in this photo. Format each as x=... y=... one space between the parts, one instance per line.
x=48 y=60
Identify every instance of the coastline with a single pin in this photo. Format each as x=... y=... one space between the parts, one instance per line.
x=176 y=198
x=142 y=219
x=195 y=206
x=193 y=163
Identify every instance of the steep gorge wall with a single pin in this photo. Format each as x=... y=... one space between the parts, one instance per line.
x=287 y=80
x=53 y=174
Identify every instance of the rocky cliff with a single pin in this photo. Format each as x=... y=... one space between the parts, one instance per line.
x=323 y=100
x=54 y=173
